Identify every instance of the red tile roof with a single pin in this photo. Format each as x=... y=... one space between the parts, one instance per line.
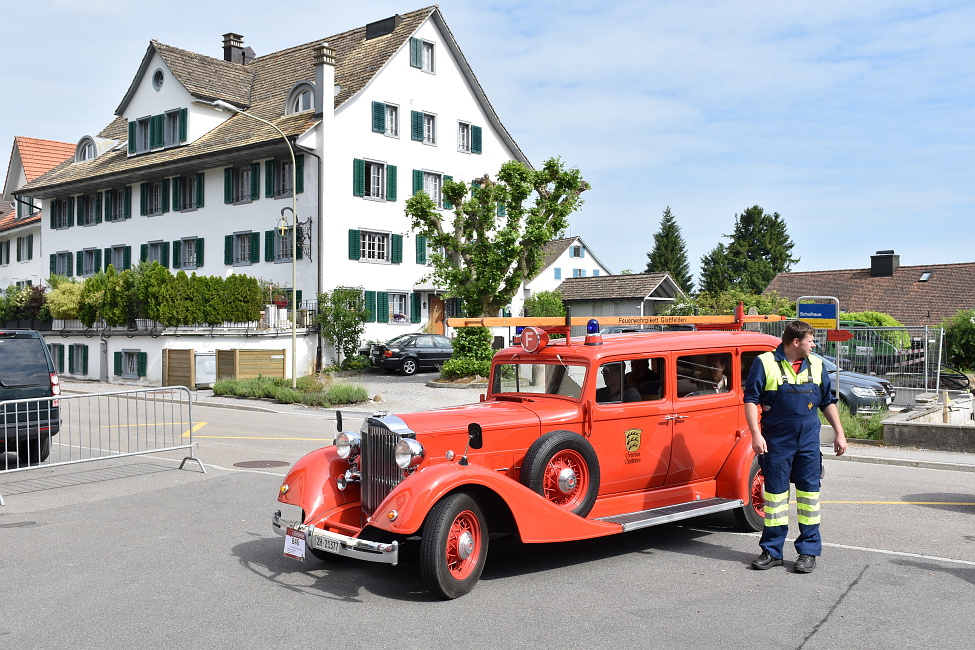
x=38 y=156
x=950 y=287
x=10 y=221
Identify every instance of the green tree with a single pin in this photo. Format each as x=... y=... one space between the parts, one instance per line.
x=669 y=254
x=494 y=236
x=960 y=340
x=342 y=316
x=760 y=249
x=715 y=270
x=544 y=303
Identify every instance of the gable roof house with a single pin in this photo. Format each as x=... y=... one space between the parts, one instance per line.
x=633 y=294
x=914 y=295
x=186 y=176
x=568 y=257
x=20 y=216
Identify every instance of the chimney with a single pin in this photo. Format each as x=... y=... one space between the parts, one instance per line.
x=324 y=79
x=883 y=264
x=233 y=48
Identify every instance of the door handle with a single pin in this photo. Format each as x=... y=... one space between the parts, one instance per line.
x=669 y=417
x=681 y=417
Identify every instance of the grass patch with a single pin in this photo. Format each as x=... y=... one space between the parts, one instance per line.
x=313 y=390
x=863 y=427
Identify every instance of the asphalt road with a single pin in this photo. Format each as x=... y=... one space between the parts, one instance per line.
x=134 y=551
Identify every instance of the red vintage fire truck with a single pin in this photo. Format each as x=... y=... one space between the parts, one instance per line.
x=575 y=438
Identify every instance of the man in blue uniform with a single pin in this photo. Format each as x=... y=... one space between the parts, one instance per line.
x=790 y=386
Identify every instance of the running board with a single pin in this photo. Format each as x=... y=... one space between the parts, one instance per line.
x=657 y=516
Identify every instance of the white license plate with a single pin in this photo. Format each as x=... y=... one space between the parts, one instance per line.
x=294 y=544
x=329 y=545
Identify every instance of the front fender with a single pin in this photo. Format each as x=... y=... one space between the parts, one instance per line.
x=311 y=483
x=538 y=520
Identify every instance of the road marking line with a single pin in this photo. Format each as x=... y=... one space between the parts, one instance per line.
x=250 y=438
x=899 y=553
x=196 y=427
x=907 y=503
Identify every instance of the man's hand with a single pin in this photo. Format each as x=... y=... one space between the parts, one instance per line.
x=839 y=443
x=759 y=446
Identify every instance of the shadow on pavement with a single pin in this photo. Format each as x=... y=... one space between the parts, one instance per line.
x=57 y=477
x=968 y=575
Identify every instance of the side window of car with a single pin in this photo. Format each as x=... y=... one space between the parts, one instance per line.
x=747 y=359
x=443 y=342
x=611 y=384
x=703 y=374
x=647 y=377
x=424 y=342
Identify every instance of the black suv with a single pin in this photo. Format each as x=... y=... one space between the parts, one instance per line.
x=27 y=373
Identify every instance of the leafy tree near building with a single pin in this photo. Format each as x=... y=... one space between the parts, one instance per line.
x=669 y=254
x=715 y=271
x=960 y=340
x=544 y=303
x=342 y=316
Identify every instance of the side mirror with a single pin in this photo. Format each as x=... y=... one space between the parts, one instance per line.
x=475 y=440
x=338 y=421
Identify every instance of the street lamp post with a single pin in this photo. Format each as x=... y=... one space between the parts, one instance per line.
x=222 y=105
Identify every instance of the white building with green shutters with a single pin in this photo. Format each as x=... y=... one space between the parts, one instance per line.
x=374 y=115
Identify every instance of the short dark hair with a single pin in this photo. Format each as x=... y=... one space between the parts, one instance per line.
x=797 y=329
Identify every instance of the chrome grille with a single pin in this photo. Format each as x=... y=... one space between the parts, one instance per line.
x=380 y=473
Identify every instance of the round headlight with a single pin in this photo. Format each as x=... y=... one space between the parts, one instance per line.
x=409 y=453
x=347 y=445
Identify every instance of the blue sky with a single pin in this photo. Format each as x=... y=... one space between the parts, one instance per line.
x=854 y=121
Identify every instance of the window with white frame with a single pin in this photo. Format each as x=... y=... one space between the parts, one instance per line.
x=142 y=131
x=242 y=184
x=304 y=100
x=242 y=248
x=282 y=245
x=429 y=129
x=130 y=364
x=578 y=273
x=154 y=200
x=575 y=251
x=86 y=210
x=86 y=151
x=114 y=200
x=171 y=132
x=156 y=253
x=91 y=261
x=187 y=193
x=118 y=258
x=392 y=120
x=283 y=177
x=60 y=209
x=25 y=248
x=432 y=184
x=62 y=264
x=78 y=363
x=464 y=137
x=397 y=308
x=4 y=253
x=188 y=258
x=427 y=62
x=374 y=246
x=375 y=180
x=23 y=284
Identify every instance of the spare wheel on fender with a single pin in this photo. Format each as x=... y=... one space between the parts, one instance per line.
x=562 y=467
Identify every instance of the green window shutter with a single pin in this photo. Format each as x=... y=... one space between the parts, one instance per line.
x=358 y=177
x=417 y=181
x=165 y=253
x=501 y=209
x=79 y=264
x=475 y=139
x=70 y=359
x=70 y=211
x=199 y=190
x=183 y=115
x=54 y=264
x=390 y=182
x=69 y=268
x=109 y=200
x=98 y=207
x=378 y=117
x=18 y=252
x=177 y=194
x=127 y=203
x=416 y=52
x=447 y=204
x=177 y=254
x=30 y=247
x=153 y=132
x=54 y=214
x=84 y=360
x=165 y=195
x=160 y=130
x=228 y=185
x=132 y=126
x=255 y=181
x=300 y=173
x=127 y=258
x=371 y=306
x=144 y=199
x=98 y=259
x=60 y=358
x=415 y=305
x=199 y=252
x=301 y=244
x=397 y=249
x=144 y=253
x=269 y=179
x=416 y=126
x=382 y=306
x=118 y=364
x=255 y=247
x=421 y=249
x=80 y=210
x=142 y=360
x=268 y=245
x=298 y=297
x=107 y=258
x=228 y=249
x=355 y=245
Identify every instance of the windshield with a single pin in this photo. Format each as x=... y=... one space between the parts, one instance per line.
x=402 y=339
x=24 y=363
x=566 y=379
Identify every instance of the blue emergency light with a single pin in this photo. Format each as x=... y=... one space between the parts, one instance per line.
x=593 y=337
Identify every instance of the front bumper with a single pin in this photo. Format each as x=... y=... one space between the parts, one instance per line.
x=330 y=542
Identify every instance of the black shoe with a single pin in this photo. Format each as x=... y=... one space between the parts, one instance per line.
x=805 y=563
x=765 y=561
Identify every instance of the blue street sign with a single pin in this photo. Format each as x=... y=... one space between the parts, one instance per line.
x=820 y=315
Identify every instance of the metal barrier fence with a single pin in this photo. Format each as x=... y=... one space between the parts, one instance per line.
x=72 y=429
x=908 y=357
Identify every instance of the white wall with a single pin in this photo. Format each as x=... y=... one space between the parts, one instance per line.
x=148 y=101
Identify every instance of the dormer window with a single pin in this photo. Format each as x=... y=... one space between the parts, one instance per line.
x=158 y=131
x=85 y=150
x=301 y=99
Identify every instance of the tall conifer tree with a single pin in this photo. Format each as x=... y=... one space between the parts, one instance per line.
x=669 y=253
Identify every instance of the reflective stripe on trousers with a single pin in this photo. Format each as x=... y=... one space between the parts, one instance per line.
x=776 y=508
x=807 y=504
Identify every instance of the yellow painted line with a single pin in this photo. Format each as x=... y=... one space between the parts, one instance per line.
x=907 y=503
x=196 y=427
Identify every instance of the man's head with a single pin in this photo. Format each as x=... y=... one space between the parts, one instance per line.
x=640 y=367
x=799 y=338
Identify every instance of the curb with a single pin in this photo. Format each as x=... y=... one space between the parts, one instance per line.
x=904 y=462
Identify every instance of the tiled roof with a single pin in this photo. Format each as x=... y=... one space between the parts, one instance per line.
x=10 y=221
x=632 y=286
x=552 y=251
x=271 y=78
x=950 y=288
x=38 y=156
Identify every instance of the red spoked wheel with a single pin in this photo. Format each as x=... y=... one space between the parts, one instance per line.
x=751 y=517
x=566 y=479
x=453 y=546
x=562 y=467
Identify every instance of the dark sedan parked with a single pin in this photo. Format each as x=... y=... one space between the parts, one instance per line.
x=409 y=352
x=861 y=393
